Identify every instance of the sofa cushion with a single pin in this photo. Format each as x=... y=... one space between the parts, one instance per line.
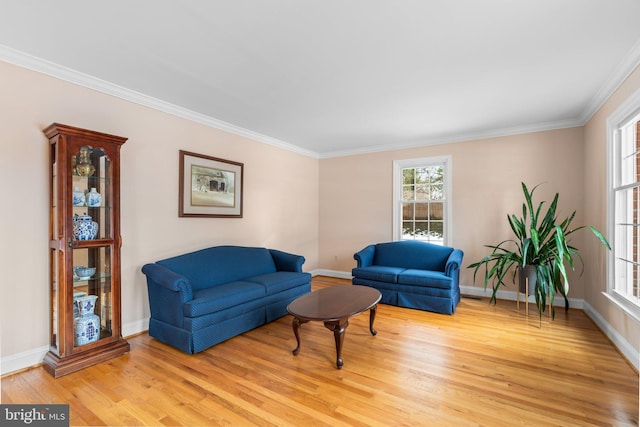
x=280 y=281
x=221 y=264
x=412 y=254
x=378 y=272
x=220 y=297
x=215 y=317
x=431 y=279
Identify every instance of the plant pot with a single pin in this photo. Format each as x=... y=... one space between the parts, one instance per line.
x=524 y=274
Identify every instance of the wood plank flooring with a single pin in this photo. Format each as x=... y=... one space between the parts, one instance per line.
x=485 y=365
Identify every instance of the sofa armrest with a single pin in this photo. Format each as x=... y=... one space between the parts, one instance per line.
x=365 y=256
x=453 y=262
x=158 y=275
x=285 y=261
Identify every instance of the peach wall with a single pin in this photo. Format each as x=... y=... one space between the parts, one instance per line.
x=280 y=196
x=595 y=190
x=356 y=193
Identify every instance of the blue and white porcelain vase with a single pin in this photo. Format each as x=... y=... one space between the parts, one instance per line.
x=84 y=227
x=78 y=197
x=76 y=310
x=87 y=325
x=94 y=199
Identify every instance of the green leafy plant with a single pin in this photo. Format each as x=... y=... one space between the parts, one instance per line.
x=540 y=241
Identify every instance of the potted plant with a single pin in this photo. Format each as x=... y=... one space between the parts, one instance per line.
x=541 y=245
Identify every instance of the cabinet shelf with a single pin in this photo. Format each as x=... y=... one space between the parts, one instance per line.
x=90 y=178
x=93 y=243
x=93 y=278
x=83 y=208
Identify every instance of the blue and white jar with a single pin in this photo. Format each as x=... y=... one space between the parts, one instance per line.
x=76 y=310
x=94 y=199
x=87 y=325
x=78 y=197
x=84 y=228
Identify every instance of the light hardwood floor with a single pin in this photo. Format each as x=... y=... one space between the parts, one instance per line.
x=485 y=365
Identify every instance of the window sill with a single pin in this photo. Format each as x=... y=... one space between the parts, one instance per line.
x=628 y=307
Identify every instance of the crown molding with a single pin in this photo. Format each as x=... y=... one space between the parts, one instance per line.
x=621 y=71
x=52 y=69
x=471 y=136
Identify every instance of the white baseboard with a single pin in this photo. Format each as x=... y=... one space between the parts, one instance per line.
x=331 y=273
x=134 y=328
x=31 y=358
x=628 y=351
x=26 y=359
x=476 y=291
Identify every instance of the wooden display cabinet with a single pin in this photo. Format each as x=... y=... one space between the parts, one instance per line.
x=85 y=304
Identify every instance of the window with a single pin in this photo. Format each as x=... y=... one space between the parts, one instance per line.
x=623 y=129
x=422 y=195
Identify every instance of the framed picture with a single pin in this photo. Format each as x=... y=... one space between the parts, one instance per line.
x=209 y=187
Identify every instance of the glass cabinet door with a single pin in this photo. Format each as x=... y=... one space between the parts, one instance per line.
x=91 y=195
x=92 y=296
x=92 y=235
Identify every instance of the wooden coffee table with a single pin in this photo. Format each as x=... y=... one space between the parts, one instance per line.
x=334 y=306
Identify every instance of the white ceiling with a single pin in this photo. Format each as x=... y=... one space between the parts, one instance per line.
x=337 y=77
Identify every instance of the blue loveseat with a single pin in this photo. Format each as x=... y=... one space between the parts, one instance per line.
x=201 y=298
x=412 y=274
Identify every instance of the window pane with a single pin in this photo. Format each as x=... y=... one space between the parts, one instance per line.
x=437 y=192
x=422 y=230
x=422 y=192
x=435 y=174
x=407 y=211
x=423 y=175
x=408 y=192
x=408 y=176
x=422 y=211
x=407 y=230
x=436 y=211
x=436 y=230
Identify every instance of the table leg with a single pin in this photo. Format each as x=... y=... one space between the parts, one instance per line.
x=295 y=323
x=372 y=317
x=338 y=327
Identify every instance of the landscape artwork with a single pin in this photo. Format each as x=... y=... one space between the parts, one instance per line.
x=212 y=187
x=209 y=186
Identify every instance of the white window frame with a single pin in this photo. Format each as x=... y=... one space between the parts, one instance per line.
x=626 y=112
x=398 y=165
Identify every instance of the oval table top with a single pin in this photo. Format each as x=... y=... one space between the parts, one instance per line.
x=334 y=303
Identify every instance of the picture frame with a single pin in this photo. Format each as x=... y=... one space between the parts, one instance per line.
x=209 y=186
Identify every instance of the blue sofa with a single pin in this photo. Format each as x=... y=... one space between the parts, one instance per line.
x=201 y=298
x=412 y=274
